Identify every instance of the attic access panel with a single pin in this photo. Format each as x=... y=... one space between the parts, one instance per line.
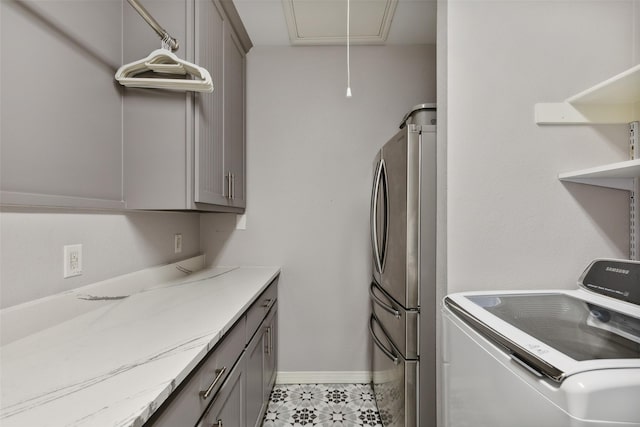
x=324 y=22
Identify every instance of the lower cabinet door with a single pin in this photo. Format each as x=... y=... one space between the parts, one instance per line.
x=255 y=369
x=261 y=369
x=270 y=354
x=228 y=407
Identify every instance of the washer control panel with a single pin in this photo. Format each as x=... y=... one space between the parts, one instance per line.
x=619 y=279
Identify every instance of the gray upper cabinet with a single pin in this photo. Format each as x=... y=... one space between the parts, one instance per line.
x=234 y=116
x=71 y=136
x=186 y=151
x=61 y=116
x=209 y=136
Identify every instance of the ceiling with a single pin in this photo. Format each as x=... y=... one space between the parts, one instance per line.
x=412 y=21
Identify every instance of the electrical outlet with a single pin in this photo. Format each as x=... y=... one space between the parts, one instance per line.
x=72 y=260
x=241 y=222
x=177 y=243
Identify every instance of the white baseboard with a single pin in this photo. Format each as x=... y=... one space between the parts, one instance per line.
x=336 y=377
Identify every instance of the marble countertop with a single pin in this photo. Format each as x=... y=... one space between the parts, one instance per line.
x=114 y=365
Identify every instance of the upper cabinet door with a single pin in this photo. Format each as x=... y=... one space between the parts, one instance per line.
x=210 y=185
x=234 y=116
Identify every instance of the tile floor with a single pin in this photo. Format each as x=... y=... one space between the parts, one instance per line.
x=324 y=405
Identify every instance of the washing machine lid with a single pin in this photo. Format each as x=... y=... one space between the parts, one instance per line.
x=555 y=333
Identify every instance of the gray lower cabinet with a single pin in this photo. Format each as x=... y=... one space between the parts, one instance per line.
x=228 y=410
x=271 y=356
x=260 y=368
x=255 y=366
x=204 y=385
x=231 y=386
x=186 y=151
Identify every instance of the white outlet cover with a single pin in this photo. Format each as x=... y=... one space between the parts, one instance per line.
x=72 y=261
x=177 y=243
x=241 y=222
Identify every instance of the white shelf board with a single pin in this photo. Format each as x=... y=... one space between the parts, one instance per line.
x=616 y=100
x=616 y=175
x=621 y=89
x=564 y=113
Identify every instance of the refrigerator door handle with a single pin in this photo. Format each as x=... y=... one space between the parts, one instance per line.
x=387 y=307
x=374 y=216
x=379 y=253
x=385 y=241
x=389 y=353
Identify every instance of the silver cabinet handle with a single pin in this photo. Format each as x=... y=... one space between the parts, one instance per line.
x=230 y=185
x=267 y=303
x=270 y=340
x=374 y=216
x=218 y=424
x=268 y=332
x=389 y=353
x=233 y=186
x=219 y=373
x=387 y=307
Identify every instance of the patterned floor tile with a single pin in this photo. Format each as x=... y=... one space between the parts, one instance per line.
x=324 y=405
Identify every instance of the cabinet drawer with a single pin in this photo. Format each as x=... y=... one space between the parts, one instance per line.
x=260 y=308
x=228 y=407
x=204 y=383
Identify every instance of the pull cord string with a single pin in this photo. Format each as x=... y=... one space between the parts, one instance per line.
x=348 y=50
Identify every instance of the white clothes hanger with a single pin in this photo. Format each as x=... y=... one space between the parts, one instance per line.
x=164 y=61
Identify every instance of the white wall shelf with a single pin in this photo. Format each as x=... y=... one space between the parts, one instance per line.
x=614 y=101
x=619 y=175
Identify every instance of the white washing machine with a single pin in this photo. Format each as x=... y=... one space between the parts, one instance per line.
x=566 y=358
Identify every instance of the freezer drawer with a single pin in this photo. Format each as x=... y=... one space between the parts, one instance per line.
x=400 y=324
x=394 y=380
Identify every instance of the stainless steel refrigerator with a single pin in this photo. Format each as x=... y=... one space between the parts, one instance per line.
x=403 y=289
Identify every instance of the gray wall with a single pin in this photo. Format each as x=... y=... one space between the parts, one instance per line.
x=511 y=223
x=60 y=103
x=636 y=34
x=113 y=243
x=309 y=161
x=61 y=108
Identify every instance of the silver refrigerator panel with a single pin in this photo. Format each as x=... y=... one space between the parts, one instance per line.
x=394 y=380
x=427 y=275
x=394 y=217
x=403 y=219
x=400 y=324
